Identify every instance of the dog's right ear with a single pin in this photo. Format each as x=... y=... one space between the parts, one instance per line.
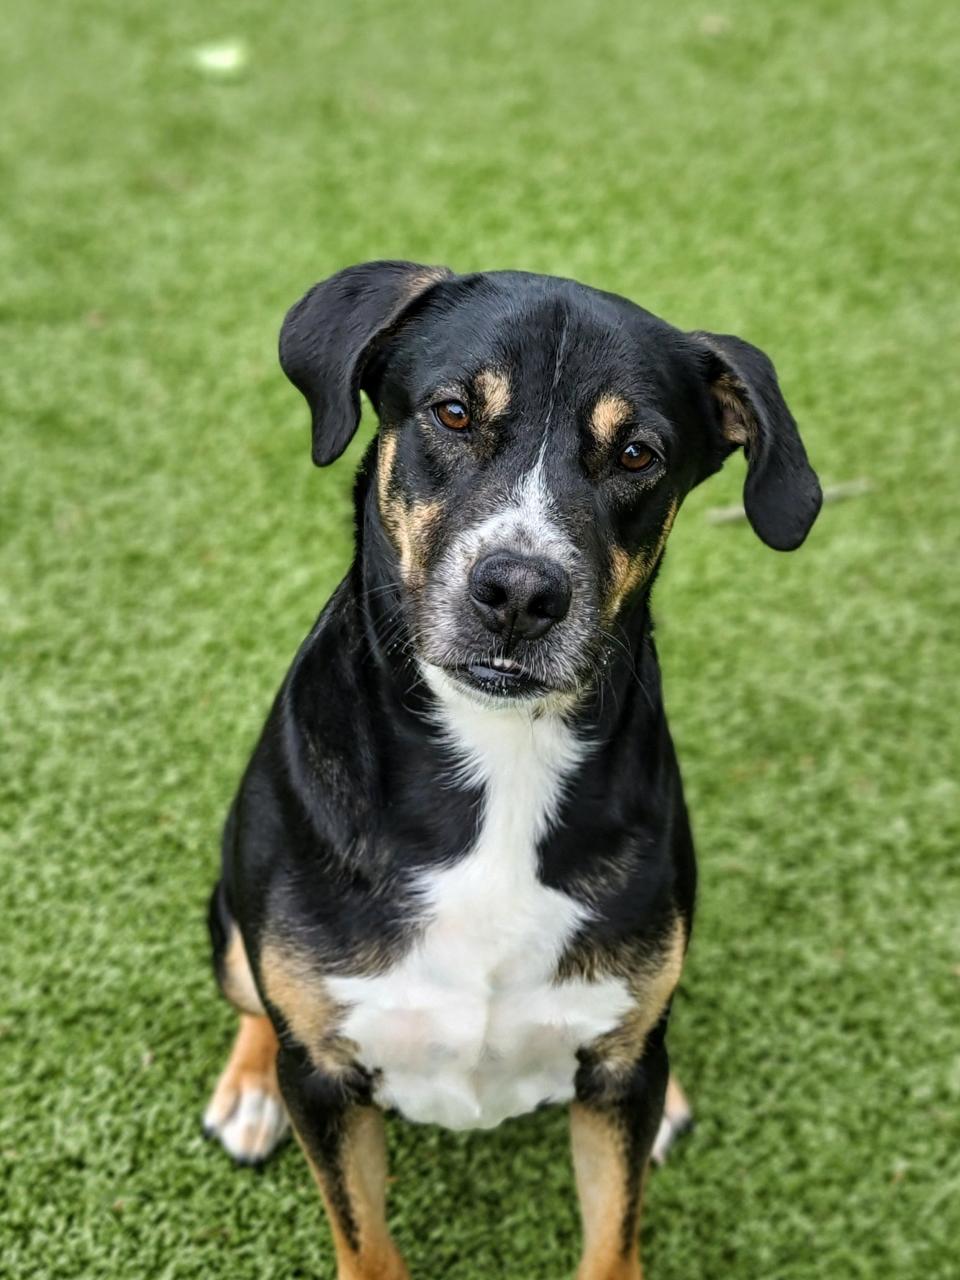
x=781 y=496
x=328 y=336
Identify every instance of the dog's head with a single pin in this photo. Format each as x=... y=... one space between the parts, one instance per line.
x=536 y=440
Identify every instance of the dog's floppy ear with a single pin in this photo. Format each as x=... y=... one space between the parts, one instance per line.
x=781 y=495
x=327 y=338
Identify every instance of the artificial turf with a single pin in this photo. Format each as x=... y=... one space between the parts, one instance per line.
x=783 y=171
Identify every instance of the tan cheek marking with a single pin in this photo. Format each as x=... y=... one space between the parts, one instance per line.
x=420 y=520
x=409 y=530
x=386 y=458
x=608 y=416
x=627 y=572
x=293 y=986
x=493 y=388
x=408 y=525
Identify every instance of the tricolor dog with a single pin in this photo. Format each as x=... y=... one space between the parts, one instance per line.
x=458 y=878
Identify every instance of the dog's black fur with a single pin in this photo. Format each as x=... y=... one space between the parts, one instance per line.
x=348 y=793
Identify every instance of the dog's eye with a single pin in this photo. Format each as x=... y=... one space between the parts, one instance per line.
x=452 y=414
x=637 y=457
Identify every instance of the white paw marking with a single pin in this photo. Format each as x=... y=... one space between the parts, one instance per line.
x=249 y=1121
x=677 y=1119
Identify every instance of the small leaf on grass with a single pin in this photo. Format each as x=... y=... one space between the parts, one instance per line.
x=714 y=24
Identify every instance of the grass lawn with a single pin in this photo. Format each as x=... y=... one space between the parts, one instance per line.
x=782 y=171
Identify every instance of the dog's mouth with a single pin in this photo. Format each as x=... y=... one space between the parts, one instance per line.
x=499 y=677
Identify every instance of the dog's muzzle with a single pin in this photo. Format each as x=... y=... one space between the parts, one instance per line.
x=517 y=596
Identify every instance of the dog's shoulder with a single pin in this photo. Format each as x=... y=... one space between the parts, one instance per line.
x=310 y=773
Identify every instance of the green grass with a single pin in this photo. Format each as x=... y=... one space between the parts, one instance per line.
x=787 y=172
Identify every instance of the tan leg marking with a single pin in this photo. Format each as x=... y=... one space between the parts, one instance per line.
x=601 y=1149
x=676 y=1103
x=608 y=416
x=237 y=982
x=652 y=988
x=677 y=1119
x=603 y=1180
x=363 y=1167
x=293 y=987
x=246 y=1111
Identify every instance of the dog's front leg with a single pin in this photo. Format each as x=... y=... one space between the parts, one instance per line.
x=613 y=1125
x=342 y=1136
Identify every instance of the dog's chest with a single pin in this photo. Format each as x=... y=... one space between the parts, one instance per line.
x=469 y=1027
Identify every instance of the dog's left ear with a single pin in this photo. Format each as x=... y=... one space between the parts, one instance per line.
x=781 y=495
x=328 y=337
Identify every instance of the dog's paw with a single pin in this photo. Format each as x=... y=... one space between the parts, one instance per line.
x=247 y=1115
x=677 y=1119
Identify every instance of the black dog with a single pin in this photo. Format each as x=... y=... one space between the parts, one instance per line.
x=458 y=877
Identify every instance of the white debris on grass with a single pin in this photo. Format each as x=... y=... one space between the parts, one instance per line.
x=225 y=58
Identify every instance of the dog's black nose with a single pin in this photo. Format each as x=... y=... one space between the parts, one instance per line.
x=519 y=596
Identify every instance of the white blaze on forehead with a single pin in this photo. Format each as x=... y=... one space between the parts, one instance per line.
x=527 y=522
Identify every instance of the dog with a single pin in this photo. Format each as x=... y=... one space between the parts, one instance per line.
x=458 y=876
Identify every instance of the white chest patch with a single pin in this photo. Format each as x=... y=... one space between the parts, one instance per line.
x=468 y=1028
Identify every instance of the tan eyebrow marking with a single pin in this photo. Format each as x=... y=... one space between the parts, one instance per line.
x=608 y=416
x=493 y=388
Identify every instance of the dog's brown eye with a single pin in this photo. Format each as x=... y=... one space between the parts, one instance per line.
x=637 y=457
x=452 y=414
